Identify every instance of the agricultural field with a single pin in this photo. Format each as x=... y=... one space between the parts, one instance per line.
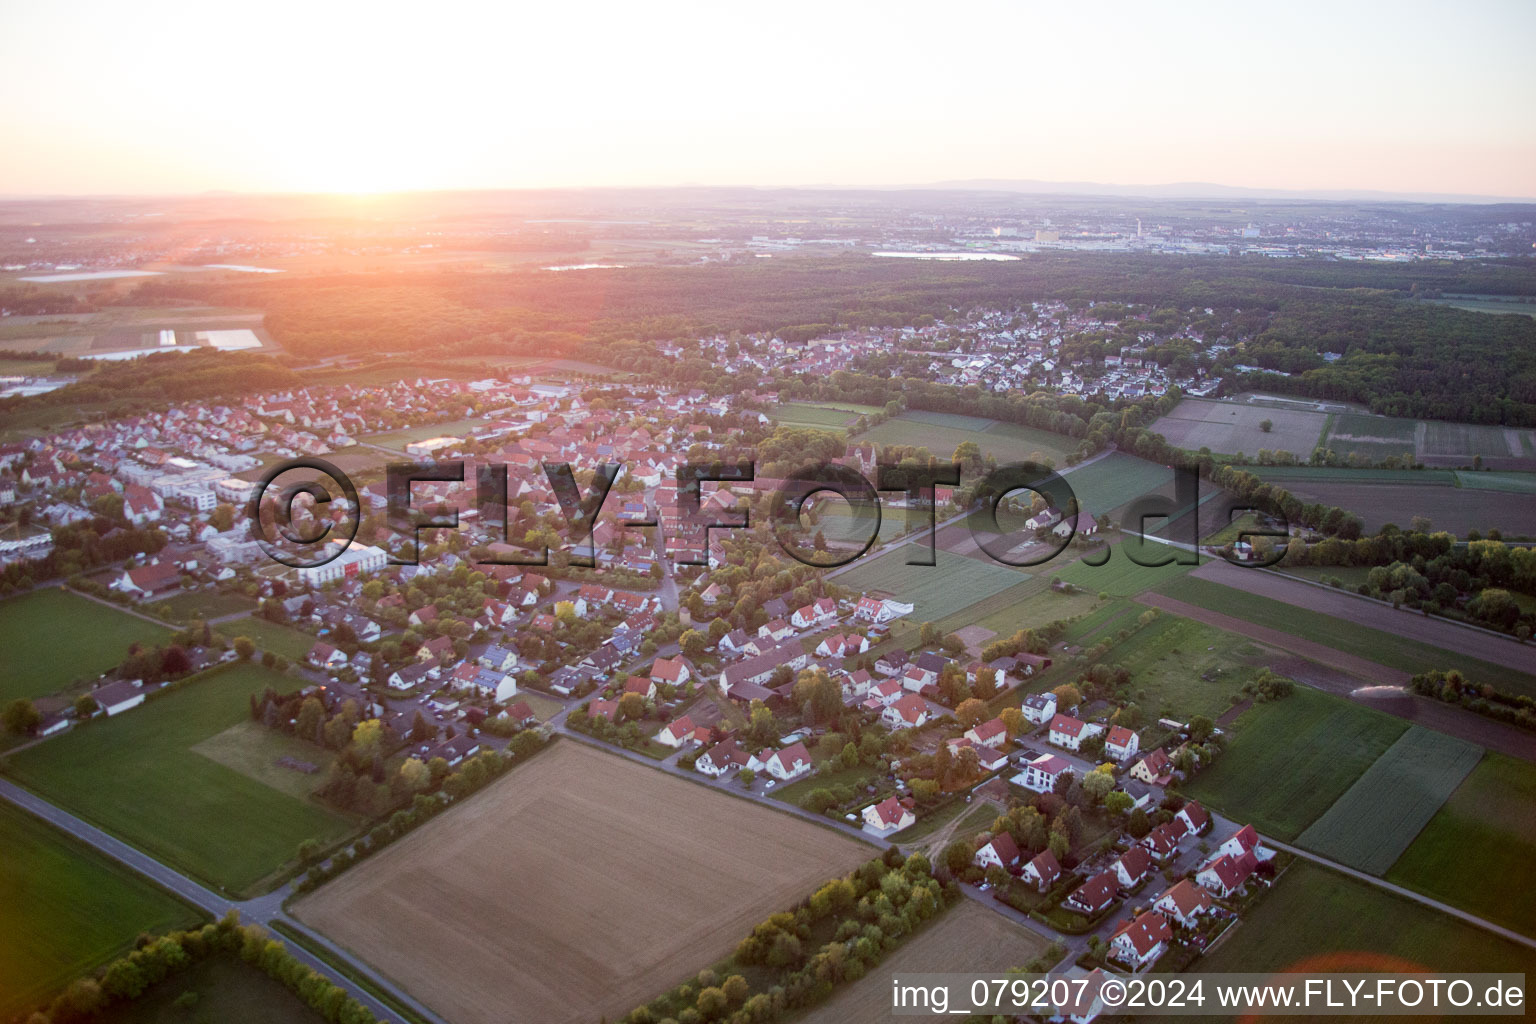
x=935 y=591
x=1227 y=428
x=1316 y=919
x=1352 y=625
x=38 y=664
x=1290 y=760
x=515 y=897
x=1288 y=475
x=1371 y=437
x=1515 y=483
x=1380 y=815
x=1456 y=509
x=65 y=909
x=224 y=989
x=141 y=777
x=1121 y=577
x=942 y=433
x=1115 y=480
x=1484 y=833
x=398 y=439
x=286 y=641
x=967 y=938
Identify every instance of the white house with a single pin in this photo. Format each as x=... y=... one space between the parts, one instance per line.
x=323 y=655
x=1121 y=743
x=889 y=815
x=791 y=762
x=1226 y=874
x=676 y=732
x=999 y=851
x=1042 y=872
x=1141 y=940
x=724 y=756
x=909 y=712
x=1040 y=708
x=1069 y=733
x=1184 y=903
x=879 y=612
x=115 y=698
x=672 y=671
x=1041 y=774
x=992 y=733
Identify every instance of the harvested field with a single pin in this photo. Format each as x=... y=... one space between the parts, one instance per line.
x=1231 y=427
x=1378 y=817
x=968 y=938
x=577 y=887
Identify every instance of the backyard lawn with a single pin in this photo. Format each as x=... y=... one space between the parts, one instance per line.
x=1289 y=760
x=37 y=663
x=286 y=641
x=65 y=909
x=138 y=776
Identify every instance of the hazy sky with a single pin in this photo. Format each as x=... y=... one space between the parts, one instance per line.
x=276 y=96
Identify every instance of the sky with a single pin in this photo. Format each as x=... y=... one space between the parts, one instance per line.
x=176 y=97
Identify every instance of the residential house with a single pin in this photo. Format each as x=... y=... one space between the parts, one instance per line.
x=890 y=815
x=1042 y=774
x=723 y=757
x=1133 y=867
x=521 y=714
x=1141 y=940
x=1094 y=895
x=115 y=698
x=1043 y=871
x=676 y=732
x=999 y=851
x=1195 y=817
x=791 y=762
x=992 y=733
x=1154 y=768
x=670 y=671
x=1245 y=840
x=1040 y=708
x=1225 y=874
x=1068 y=732
x=1163 y=841
x=1121 y=743
x=323 y=655
x=1184 y=903
x=909 y=712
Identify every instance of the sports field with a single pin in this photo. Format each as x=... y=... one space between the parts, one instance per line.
x=1289 y=760
x=1318 y=920
x=400 y=438
x=573 y=889
x=935 y=591
x=1377 y=818
x=139 y=776
x=64 y=909
x=36 y=663
x=1484 y=835
x=968 y=938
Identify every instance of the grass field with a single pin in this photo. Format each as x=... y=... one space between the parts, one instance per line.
x=572 y=900
x=942 y=433
x=139 y=777
x=287 y=641
x=1121 y=577
x=204 y=605
x=1515 y=483
x=37 y=663
x=1340 y=632
x=934 y=590
x=1336 y=923
x=1419 y=477
x=968 y=938
x=1180 y=668
x=400 y=438
x=1291 y=759
x=820 y=415
x=1377 y=818
x=227 y=990
x=1495 y=306
x=1482 y=839
x=64 y=909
